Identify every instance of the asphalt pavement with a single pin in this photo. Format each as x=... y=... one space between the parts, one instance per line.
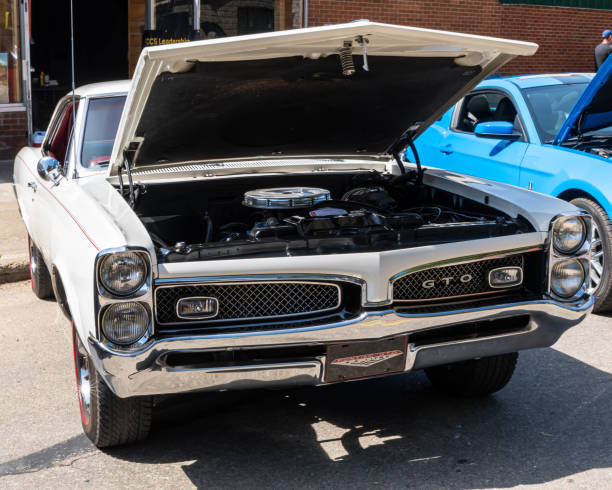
x=550 y=427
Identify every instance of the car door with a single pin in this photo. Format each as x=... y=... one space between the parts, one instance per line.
x=460 y=150
x=46 y=207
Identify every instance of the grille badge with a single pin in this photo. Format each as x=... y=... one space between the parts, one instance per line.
x=432 y=283
x=197 y=308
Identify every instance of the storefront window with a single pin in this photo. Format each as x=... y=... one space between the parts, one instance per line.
x=235 y=17
x=10 y=53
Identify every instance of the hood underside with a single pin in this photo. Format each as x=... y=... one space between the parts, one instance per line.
x=302 y=92
x=593 y=110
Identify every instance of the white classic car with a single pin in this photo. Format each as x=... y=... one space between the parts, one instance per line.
x=239 y=216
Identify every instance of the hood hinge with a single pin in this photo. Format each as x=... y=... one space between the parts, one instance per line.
x=129 y=154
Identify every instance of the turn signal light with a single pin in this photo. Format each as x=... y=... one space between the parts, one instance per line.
x=505 y=277
x=197 y=308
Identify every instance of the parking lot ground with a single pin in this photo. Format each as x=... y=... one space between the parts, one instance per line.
x=550 y=427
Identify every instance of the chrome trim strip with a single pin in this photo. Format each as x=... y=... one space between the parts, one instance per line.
x=271 y=277
x=413 y=350
x=222 y=378
x=242 y=283
x=429 y=300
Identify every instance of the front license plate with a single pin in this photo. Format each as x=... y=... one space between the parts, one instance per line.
x=363 y=359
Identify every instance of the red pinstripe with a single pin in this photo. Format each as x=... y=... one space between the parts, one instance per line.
x=60 y=203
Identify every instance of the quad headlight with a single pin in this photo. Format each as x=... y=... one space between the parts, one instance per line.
x=125 y=323
x=569 y=256
x=569 y=234
x=567 y=278
x=123 y=273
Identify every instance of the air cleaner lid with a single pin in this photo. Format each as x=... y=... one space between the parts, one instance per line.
x=285 y=197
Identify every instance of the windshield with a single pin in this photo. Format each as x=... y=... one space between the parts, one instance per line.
x=550 y=106
x=101 y=123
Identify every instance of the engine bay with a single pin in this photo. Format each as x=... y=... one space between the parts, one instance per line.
x=309 y=214
x=597 y=146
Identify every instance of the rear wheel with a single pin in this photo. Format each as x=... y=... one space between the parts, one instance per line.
x=107 y=419
x=39 y=274
x=600 y=280
x=476 y=377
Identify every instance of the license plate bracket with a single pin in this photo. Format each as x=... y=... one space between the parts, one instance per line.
x=356 y=360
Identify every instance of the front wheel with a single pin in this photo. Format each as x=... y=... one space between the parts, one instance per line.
x=39 y=274
x=600 y=279
x=107 y=419
x=473 y=378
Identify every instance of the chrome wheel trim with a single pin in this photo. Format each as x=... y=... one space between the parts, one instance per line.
x=81 y=360
x=597 y=260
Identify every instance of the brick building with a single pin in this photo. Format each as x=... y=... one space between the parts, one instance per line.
x=109 y=36
x=567 y=36
x=566 y=30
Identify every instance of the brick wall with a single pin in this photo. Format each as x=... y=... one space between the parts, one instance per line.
x=136 y=21
x=12 y=133
x=567 y=36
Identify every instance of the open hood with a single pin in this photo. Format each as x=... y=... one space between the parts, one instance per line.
x=341 y=90
x=593 y=110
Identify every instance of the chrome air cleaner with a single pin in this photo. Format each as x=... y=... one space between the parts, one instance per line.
x=285 y=197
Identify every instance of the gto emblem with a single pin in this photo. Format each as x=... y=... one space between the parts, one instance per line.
x=431 y=283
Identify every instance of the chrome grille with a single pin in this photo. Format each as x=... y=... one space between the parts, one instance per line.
x=410 y=287
x=249 y=301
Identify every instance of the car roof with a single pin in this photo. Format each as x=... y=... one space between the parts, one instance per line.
x=103 y=88
x=542 y=80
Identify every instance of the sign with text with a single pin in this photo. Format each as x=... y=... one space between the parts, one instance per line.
x=160 y=38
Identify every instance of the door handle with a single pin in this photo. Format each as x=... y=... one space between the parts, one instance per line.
x=33 y=186
x=447 y=150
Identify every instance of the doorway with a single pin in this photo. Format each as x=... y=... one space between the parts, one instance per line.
x=101 y=49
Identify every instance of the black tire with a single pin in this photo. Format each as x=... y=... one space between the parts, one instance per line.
x=603 y=292
x=40 y=279
x=473 y=378
x=107 y=419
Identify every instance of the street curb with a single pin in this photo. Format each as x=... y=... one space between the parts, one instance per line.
x=14 y=271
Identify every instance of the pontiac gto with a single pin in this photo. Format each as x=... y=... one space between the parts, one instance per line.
x=239 y=215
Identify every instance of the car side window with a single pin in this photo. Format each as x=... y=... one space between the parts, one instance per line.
x=57 y=144
x=485 y=107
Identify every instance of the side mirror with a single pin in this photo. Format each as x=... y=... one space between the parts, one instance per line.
x=49 y=169
x=501 y=130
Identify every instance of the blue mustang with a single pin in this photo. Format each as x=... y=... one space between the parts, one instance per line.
x=548 y=133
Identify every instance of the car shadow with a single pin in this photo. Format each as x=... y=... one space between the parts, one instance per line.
x=552 y=421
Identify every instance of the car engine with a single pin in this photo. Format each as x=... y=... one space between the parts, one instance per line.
x=367 y=211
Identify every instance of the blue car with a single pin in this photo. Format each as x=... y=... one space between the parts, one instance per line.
x=548 y=133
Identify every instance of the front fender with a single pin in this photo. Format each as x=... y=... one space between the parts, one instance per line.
x=584 y=187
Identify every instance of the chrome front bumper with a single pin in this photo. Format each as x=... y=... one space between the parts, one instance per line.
x=145 y=373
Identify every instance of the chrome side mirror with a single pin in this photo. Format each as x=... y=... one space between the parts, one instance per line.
x=49 y=169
